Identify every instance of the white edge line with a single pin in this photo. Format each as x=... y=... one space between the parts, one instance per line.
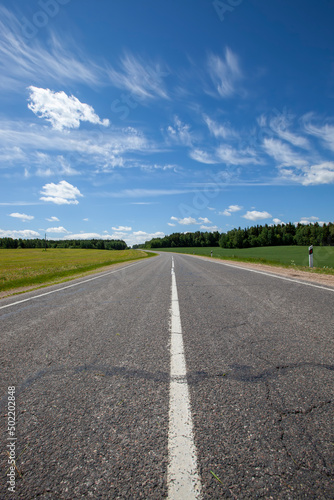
x=263 y=272
x=182 y=475
x=69 y=286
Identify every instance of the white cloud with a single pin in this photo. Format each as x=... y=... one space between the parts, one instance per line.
x=202 y=157
x=25 y=234
x=319 y=174
x=24 y=58
x=225 y=73
x=180 y=133
x=58 y=230
x=171 y=224
x=61 y=110
x=52 y=219
x=280 y=125
x=142 y=79
x=324 y=132
x=277 y=221
x=87 y=236
x=310 y=175
x=41 y=146
x=311 y=220
x=138 y=237
x=218 y=130
x=232 y=156
x=232 y=208
x=187 y=221
x=22 y=217
x=209 y=228
x=62 y=193
x=122 y=228
x=254 y=215
x=282 y=153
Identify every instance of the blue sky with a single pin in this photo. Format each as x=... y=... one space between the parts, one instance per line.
x=133 y=119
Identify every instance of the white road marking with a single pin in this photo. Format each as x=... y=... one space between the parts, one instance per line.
x=272 y=275
x=183 y=479
x=68 y=286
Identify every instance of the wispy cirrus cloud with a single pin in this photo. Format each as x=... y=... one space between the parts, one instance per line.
x=180 y=133
x=225 y=73
x=281 y=126
x=21 y=61
x=282 y=153
x=144 y=80
x=324 y=132
x=61 y=110
x=220 y=130
x=53 y=152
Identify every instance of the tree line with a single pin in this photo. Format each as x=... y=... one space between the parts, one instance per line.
x=254 y=236
x=96 y=244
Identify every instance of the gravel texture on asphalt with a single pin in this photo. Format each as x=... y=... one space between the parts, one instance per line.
x=91 y=367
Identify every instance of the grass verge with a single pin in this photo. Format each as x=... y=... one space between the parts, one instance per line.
x=284 y=256
x=35 y=267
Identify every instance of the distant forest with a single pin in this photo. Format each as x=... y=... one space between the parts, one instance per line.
x=39 y=243
x=255 y=236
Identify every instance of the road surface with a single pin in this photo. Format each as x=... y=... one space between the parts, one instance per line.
x=173 y=377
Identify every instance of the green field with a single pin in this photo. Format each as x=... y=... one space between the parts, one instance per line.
x=323 y=257
x=27 y=267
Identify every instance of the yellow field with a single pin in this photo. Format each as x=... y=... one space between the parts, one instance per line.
x=26 y=267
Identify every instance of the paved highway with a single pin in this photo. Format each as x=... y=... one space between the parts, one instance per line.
x=174 y=377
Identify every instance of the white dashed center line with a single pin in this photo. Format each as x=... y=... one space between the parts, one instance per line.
x=183 y=478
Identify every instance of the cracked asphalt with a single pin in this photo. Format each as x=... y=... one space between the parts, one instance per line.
x=91 y=369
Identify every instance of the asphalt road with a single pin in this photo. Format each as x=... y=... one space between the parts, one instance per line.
x=91 y=366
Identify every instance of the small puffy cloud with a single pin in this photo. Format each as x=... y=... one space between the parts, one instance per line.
x=277 y=221
x=52 y=219
x=62 y=193
x=57 y=230
x=22 y=217
x=232 y=208
x=254 y=215
x=187 y=221
x=61 y=110
x=122 y=228
x=171 y=224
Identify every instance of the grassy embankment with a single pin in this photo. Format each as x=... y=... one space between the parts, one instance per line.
x=36 y=267
x=286 y=256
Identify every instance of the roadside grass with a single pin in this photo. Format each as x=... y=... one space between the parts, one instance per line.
x=285 y=256
x=29 y=267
